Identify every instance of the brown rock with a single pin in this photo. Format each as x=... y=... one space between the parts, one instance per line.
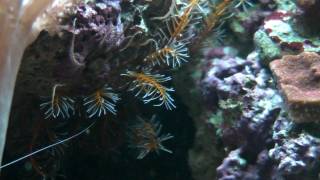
x=298 y=77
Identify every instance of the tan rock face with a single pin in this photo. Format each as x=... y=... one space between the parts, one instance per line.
x=298 y=77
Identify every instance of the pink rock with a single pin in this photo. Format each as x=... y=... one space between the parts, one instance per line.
x=298 y=77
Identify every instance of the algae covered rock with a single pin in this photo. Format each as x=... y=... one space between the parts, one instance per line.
x=296 y=155
x=291 y=29
x=298 y=78
x=267 y=49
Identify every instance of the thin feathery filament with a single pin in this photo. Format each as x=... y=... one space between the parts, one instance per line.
x=220 y=10
x=58 y=106
x=149 y=86
x=173 y=55
x=180 y=23
x=145 y=137
x=48 y=163
x=244 y=4
x=101 y=102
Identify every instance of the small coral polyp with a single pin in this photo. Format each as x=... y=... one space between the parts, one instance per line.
x=145 y=137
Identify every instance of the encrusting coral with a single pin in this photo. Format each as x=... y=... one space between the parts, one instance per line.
x=298 y=78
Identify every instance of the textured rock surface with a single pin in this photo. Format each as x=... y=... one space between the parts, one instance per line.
x=261 y=143
x=297 y=154
x=290 y=29
x=245 y=110
x=298 y=78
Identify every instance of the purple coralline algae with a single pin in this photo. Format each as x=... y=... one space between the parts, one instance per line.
x=248 y=132
x=296 y=155
x=101 y=22
x=247 y=118
x=236 y=167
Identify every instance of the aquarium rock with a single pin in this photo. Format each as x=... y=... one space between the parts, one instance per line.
x=296 y=155
x=248 y=107
x=288 y=30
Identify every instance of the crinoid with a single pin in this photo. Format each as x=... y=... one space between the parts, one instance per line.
x=177 y=21
x=216 y=16
x=145 y=137
x=150 y=87
x=173 y=54
x=213 y=21
x=177 y=24
x=243 y=4
x=58 y=105
x=100 y=102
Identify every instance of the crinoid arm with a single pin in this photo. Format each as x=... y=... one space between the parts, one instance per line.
x=149 y=87
x=179 y=22
x=58 y=106
x=172 y=9
x=100 y=102
x=145 y=137
x=72 y=54
x=243 y=4
x=220 y=12
x=173 y=54
x=59 y=142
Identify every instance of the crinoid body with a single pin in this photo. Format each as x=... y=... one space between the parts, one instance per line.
x=216 y=16
x=58 y=105
x=178 y=20
x=177 y=24
x=213 y=21
x=149 y=87
x=172 y=55
x=145 y=137
x=100 y=102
